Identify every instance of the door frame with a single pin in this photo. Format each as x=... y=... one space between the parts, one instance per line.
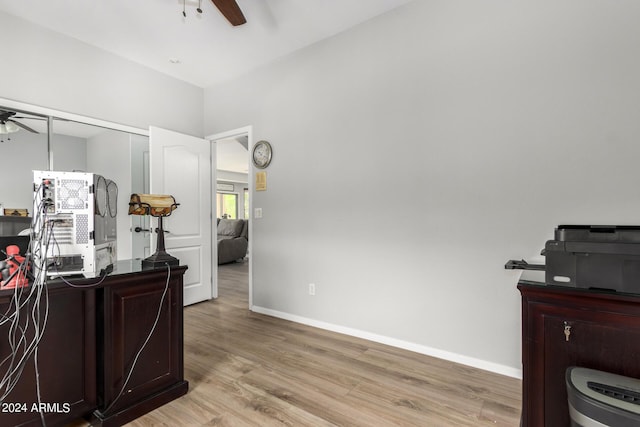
x=242 y=131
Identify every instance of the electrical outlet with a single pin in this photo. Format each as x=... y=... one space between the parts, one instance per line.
x=312 y=288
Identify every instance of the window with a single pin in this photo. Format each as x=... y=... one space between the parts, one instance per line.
x=227 y=205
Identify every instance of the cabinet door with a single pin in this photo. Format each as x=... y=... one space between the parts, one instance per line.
x=604 y=340
x=66 y=360
x=129 y=314
x=137 y=308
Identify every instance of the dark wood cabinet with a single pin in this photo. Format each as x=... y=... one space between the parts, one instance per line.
x=564 y=327
x=92 y=337
x=130 y=309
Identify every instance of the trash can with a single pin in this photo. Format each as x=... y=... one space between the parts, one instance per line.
x=598 y=399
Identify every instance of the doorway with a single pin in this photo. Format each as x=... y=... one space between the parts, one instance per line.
x=232 y=195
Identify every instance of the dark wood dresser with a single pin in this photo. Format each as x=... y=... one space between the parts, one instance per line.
x=92 y=336
x=564 y=327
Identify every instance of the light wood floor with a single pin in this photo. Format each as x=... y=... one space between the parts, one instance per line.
x=247 y=369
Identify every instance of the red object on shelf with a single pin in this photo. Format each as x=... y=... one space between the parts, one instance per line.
x=15 y=260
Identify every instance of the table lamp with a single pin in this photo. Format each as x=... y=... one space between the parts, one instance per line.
x=157 y=205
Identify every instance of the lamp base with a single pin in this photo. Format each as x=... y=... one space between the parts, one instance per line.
x=158 y=260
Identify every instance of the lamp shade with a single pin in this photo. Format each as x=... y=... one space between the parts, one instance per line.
x=158 y=205
x=8 y=127
x=152 y=204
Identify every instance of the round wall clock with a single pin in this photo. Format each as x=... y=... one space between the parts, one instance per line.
x=261 y=154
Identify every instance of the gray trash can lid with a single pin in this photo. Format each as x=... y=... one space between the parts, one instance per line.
x=602 y=398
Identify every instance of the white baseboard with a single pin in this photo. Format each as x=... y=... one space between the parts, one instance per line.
x=406 y=345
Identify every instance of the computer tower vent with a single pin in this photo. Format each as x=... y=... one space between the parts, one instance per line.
x=82 y=228
x=73 y=194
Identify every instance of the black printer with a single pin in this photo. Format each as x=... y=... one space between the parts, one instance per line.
x=594 y=257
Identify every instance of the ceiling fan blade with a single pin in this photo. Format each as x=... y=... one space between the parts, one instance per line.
x=231 y=11
x=25 y=127
x=29 y=118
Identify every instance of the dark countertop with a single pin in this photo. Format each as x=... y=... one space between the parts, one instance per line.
x=121 y=268
x=532 y=277
x=536 y=278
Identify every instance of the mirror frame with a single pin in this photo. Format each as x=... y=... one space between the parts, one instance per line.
x=52 y=114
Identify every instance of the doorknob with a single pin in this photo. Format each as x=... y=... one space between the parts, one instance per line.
x=146 y=230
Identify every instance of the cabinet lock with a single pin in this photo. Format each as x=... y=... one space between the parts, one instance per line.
x=567 y=331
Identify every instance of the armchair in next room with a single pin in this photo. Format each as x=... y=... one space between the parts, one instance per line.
x=233 y=239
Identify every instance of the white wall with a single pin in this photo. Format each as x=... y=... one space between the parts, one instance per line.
x=26 y=152
x=68 y=153
x=18 y=158
x=51 y=70
x=507 y=118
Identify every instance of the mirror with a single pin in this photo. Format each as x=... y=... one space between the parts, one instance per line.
x=21 y=151
x=72 y=146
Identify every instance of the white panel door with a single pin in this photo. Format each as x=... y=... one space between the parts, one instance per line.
x=180 y=165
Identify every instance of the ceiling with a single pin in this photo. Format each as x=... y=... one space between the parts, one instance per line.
x=202 y=49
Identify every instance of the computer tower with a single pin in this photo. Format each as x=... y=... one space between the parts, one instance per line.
x=74 y=223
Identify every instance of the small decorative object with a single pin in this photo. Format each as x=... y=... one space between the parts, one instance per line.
x=261 y=181
x=13 y=270
x=160 y=206
x=16 y=212
x=261 y=154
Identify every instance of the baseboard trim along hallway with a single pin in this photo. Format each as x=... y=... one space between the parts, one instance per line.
x=405 y=345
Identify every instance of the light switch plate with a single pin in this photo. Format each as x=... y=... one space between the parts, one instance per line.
x=257 y=213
